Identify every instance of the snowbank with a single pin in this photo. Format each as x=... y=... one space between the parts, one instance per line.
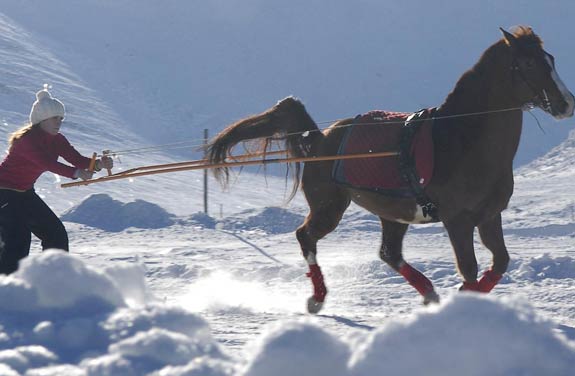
x=62 y=316
x=299 y=348
x=103 y=212
x=271 y=220
x=468 y=335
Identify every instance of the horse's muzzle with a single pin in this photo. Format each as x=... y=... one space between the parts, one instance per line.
x=562 y=108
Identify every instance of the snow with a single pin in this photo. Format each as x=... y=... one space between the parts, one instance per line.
x=478 y=336
x=94 y=329
x=154 y=286
x=96 y=322
x=271 y=220
x=299 y=348
x=102 y=211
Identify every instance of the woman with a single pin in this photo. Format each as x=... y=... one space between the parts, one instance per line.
x=33 y=150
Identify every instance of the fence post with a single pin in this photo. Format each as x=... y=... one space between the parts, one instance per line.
x=205 y=174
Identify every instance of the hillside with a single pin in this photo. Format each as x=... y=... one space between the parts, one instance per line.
x=167 y=70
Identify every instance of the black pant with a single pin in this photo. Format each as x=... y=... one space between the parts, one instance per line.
x=23 y=214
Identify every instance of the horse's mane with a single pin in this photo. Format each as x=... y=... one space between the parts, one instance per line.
x=526 y=37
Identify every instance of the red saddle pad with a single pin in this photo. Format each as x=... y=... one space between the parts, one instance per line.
x=380 y=131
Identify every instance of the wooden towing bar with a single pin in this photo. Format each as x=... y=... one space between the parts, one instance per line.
x=234 y=161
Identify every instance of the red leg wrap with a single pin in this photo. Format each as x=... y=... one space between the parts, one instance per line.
x=469 y=286
x=319 y=289
x=485 y=284
x=416 y=279
x=489 y=280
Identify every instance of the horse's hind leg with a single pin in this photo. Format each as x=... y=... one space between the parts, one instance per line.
x=391 y=252
x=327 y=205
x=491 y=234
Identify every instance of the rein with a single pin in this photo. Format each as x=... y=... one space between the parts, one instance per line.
x=247 y=159
x=198 y=143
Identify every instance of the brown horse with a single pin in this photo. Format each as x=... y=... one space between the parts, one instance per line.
x=475 y=137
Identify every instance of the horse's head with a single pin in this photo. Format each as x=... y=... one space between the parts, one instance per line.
x=535 y=79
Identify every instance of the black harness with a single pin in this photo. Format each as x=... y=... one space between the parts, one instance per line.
x=540 y=96
x=407 y=167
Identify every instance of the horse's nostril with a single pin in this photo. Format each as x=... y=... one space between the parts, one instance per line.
x=561 y=107
x=566 y=107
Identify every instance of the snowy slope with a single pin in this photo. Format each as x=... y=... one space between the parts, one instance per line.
x=543 y=202
x=92 y=125
x=26 y=63
x=173 y=68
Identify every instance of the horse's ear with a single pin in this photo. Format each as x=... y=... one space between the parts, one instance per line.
x=509 y=38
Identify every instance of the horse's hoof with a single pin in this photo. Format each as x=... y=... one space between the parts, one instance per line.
x=313 y=306
x=430 y=297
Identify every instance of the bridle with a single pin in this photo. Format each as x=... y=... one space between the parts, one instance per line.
x=540 y=98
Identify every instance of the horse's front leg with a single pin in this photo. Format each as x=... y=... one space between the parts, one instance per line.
x=391 y=253
x=460 y=230
x=491 y=233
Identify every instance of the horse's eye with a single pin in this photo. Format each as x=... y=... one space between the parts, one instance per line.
x=529 y=63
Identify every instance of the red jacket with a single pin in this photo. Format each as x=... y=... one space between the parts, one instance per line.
x=35 y=153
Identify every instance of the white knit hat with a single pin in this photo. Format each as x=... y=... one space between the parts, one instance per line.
x=46 y=107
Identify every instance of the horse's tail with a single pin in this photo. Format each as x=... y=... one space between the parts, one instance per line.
x=287 y=122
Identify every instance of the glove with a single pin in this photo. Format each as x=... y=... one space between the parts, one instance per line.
x=105 y=162
x=83 y=174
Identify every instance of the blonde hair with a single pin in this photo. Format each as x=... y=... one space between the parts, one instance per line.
x=16 y=135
